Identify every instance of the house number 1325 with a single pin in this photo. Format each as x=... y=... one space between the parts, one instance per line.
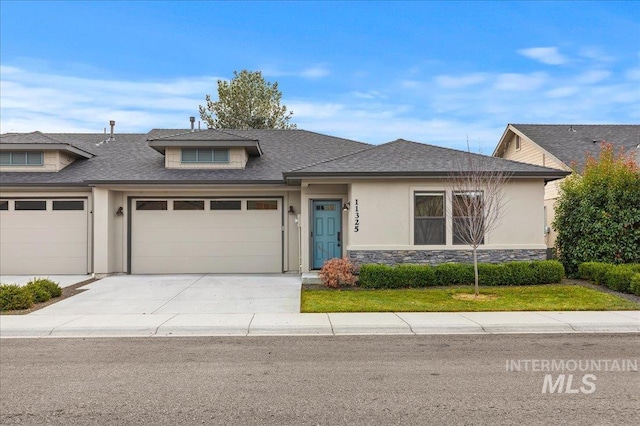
x=356 y=225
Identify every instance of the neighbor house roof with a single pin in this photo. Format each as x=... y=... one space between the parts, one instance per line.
x=570 y=143
x=406 y=158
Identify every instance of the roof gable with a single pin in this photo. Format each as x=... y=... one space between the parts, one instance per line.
x=570 y=143
x=407 y=158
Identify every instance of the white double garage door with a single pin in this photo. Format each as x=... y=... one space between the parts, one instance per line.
x=177 y=235
x=197 y=235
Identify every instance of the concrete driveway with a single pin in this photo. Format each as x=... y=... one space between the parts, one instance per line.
x=184 y=294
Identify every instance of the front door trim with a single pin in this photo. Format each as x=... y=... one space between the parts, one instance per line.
x=312 y=223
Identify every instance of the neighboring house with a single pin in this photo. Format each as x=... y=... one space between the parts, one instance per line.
x=234 y=201
x=562 y=146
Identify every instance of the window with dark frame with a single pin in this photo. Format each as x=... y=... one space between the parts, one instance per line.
x=4 y=205
x=466 y=216
x=68 y=205
x=26 y=205
x=204 y=155
x=262 y=204
x=188 y=205
x=226 y=205
x=429 y=219
x=151 y=205
x=21 y=158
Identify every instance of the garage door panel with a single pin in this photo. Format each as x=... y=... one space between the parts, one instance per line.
x=202 y=265
x=207 y=241
x=207 y=235
x=44 y=265
x=208 y=249
x=38 y=236
x=43 y=250
x=43 y=242
x=43 y=220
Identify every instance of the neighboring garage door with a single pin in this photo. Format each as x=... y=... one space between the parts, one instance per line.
x=206 y=236
x=40 y=236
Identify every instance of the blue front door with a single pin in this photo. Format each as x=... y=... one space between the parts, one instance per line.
x=326 y=233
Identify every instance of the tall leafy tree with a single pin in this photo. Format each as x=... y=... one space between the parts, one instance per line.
x=247 y=101
x=598 y=211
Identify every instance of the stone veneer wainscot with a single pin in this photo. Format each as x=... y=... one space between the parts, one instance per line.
x=434 y=257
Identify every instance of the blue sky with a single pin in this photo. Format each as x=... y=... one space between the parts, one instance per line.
x=435 y=72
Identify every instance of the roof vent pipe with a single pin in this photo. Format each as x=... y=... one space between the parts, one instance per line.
x=112 y=123
x=193 y=122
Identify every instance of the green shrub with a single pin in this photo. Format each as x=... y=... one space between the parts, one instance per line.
x=619 y=277
x=376 y=276
x=13 y=297
x=548 y=271
x=415 y=276
x=454 y=274
x=635 y=284
x=398 y=276
x=594 y=271
x=446 y=274
x=598 y=211
x=39 y=293
x=50 y=286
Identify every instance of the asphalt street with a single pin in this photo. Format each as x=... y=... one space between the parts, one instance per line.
x=354 y=380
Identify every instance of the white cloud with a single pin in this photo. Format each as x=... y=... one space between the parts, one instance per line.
x=455 y=82
x=317 y=71
x=312 y=72
x=593 y=76
x=50 y=102
x=520 y=82
x=441 y=110
x=633 y=74
x=562 y=92
x=546 y=55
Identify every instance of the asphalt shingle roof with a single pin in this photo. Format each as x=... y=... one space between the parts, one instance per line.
x=402 y=157
x=129 y=158
x=570 y=142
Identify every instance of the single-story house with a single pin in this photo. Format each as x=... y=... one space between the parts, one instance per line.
x=240 y=201
x=562 y=146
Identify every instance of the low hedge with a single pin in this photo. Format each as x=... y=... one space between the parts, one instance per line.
x=38 y=290
x=635 y=284
x=399 y=276
x=594 y=271
x=14 y=297
x=415 y=276
x=616 y=277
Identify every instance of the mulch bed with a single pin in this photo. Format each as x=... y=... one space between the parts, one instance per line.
x=69 y=291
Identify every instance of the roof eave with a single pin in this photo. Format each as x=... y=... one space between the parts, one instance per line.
x=251 y=146
x=46 y=147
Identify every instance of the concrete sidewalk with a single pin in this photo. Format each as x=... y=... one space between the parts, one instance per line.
x=119 y=325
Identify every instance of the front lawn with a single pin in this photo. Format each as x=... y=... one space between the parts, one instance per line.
x=523 y=298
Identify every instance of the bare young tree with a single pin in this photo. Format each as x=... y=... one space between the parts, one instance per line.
x=477 y=188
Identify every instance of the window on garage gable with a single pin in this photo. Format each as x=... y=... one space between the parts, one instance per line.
x=205 y=155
